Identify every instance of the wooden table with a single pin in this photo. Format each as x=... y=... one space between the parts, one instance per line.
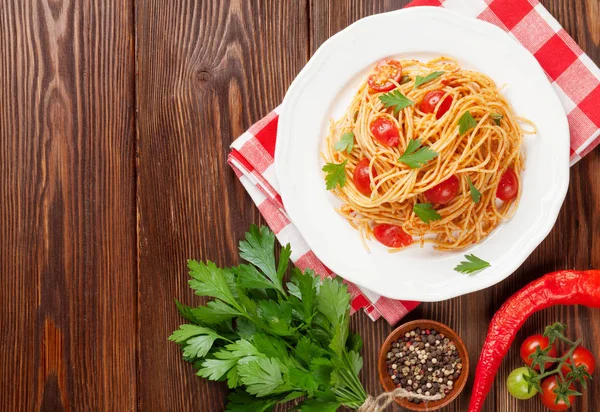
x=115 y=122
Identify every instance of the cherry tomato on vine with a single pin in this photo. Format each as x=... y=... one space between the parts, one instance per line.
x=530 y=344
x=517 y=385
x=361 y=177
x=385 y=131
x=581 y=356
x=443 y=192
x=392 y=235
x=431 y=100
x=548 y=396
x=385 y=70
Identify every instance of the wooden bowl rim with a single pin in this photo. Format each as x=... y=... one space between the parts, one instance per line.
x=386 y=380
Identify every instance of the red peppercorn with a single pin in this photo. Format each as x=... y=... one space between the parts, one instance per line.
x=427 y=331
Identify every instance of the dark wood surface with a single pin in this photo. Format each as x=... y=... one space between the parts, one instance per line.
x=115 y=122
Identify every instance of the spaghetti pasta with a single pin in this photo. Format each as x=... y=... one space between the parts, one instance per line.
x=465 y=139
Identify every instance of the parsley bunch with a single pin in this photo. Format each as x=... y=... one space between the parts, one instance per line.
x=272 y=344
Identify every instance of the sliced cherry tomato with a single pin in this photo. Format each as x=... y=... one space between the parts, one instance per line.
x=549 y=397
x=392 y=235
x=581 y=356
x=385 y=70
x=530 y=344
x=508 y=188
x=443 y=192
x=431 y=100
x=361 y=178
x=385 y=131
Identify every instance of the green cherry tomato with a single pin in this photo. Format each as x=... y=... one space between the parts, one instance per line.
x=517 y=385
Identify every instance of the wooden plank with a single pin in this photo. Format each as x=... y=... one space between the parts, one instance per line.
x=571 y=244
x=207 y=71
x=67 y=212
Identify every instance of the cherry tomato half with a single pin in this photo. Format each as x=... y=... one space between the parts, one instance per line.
x=431 y=100
x=385 y=131
x=549 y=397
x=361 y=178
x=444 y=192
x=508 y=188
x=530 y=344
x=581 y=356
x=392 y=235
x=385 y=70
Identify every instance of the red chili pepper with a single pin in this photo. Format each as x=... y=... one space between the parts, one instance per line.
x=558 y=288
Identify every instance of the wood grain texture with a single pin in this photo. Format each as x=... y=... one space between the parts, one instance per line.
x=207 y=71
x=67 y=206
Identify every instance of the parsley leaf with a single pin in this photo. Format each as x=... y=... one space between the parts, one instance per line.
x=466 y=123
x=245 y=328
x=306 y=350
x=355 y=342
x=356 y=362
x=317 y=405
x=277 y=317
x=431 y=76
x=497 y=117
x=271 y=346
x=302 y=380
x=250 y=277
x=215 y=369
x=414 y=158
x=346 y=142
x=396 y=100
x=214 y=312
x=303 y=287
x=209 y=280
x=262 y=377
x=473 y=264
x=186 y=312
x=333 y=300
x=258 y=250
x=426 y=212
x=336 y=174
x=475 y=194
x=240 y=401
x=242 y=349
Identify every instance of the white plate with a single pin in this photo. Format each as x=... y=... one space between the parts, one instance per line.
x=325 y=87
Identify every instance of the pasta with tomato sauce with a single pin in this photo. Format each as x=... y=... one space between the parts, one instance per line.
x=426 y=151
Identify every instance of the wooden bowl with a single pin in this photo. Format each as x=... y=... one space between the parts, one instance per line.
x=388 y=384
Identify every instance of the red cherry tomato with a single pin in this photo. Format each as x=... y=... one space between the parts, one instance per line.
x=530 y=344
x=385 y=70
x=581 y=356
x=508 y=188
x=361 y=178
x=392 y=236
x=431 y=100
x=444 y=192
x=385 y=131
x=549 y=397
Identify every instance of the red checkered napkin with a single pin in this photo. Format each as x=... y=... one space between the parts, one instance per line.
x=574 y=76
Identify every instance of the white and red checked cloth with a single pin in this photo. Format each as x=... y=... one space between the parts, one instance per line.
x=573 y=74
